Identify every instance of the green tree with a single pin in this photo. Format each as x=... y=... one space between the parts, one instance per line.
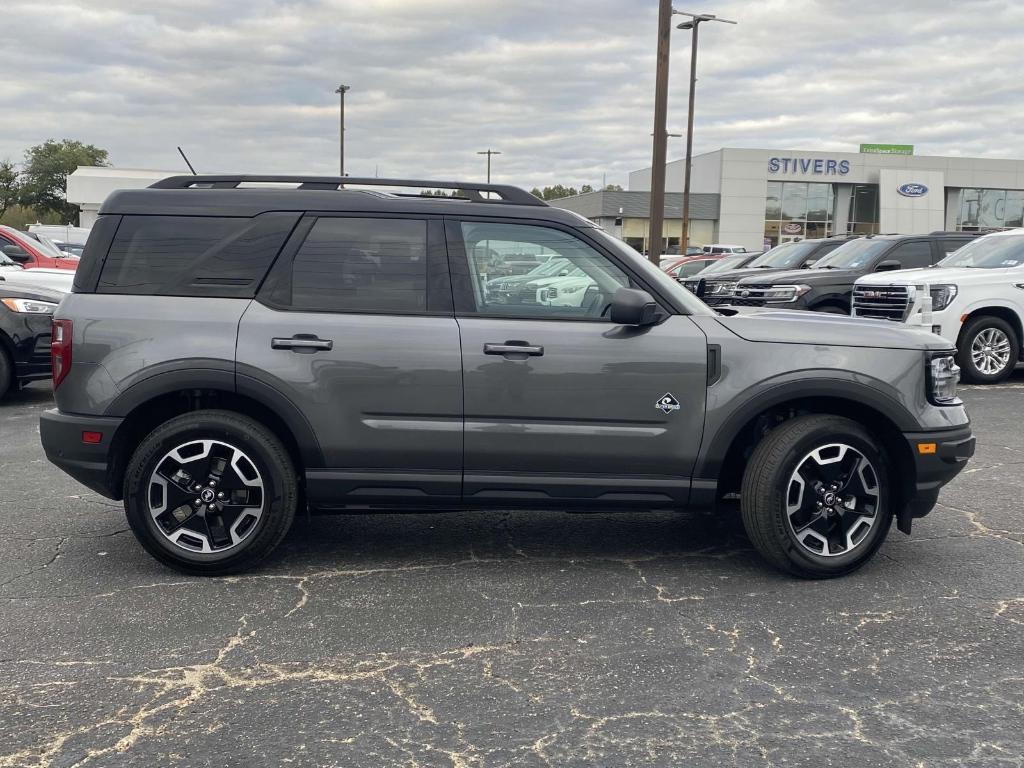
x=586 y=188
x=45 y=177
x=613 y=188
x=10 y=190
x=555 y=192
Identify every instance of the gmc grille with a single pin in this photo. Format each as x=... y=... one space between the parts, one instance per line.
x=882 y=302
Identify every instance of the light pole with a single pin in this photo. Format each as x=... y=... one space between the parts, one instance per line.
x=657 y=213
x=489 y=152
x=341 y=129
x=692 y=24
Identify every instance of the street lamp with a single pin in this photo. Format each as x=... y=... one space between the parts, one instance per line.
x=692 y=24
x=489 y=152
x=341 y=129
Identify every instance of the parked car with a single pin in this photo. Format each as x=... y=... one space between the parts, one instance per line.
x=13 y=273
x=32 y=253
x=827 y=286
x=509 y=288
x=724 y=248
x=733 y=261
x=794 y=255
x=973 y=298
x=675 y=250
x=339 y=353
x=25 y=315
x=61 y=233
x=691 y=265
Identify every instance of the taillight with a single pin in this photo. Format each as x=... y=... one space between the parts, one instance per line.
x=60 y=350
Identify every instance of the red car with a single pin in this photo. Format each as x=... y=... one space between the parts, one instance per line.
x=32 y=253
x=685 y=266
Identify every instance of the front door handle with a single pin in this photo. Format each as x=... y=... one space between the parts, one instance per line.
x=513 y=348
x=302 y=343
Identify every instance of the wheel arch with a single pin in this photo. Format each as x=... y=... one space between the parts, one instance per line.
x=745 y=426
x=157 y=399
x=1009 y=314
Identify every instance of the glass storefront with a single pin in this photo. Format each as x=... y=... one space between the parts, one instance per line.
x=863 y=218
x=990 y=209
x=797 y=210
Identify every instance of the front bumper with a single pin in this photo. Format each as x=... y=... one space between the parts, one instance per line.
x=89 y=463
x=939 y=456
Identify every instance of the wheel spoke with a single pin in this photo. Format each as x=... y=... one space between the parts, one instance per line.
x=206 y=496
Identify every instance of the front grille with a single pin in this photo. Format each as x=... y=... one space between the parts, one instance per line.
x=749 y=295
x=882 y=302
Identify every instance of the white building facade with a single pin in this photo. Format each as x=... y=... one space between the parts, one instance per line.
x=768 y=196
x=88 y=186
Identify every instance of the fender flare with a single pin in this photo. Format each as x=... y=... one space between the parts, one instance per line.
x=171 y=381
x=709 y=463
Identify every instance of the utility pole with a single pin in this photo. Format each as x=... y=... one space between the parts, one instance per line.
x=341 y=129
x=657 y=213
x=489 y=152
x=693 y=24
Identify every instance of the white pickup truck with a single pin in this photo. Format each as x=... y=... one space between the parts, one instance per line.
x=974 y=298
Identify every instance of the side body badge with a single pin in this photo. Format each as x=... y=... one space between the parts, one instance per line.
x=667 y=403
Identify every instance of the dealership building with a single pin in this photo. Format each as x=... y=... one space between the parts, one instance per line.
x=761 y=197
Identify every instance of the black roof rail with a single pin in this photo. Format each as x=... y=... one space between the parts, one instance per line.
x=465 y=189
x=945 y=232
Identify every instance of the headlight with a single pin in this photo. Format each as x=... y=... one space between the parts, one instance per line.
x=785 y=292
x=943 y=376
x=720 y=289
x=942 y=295
x=29 y=306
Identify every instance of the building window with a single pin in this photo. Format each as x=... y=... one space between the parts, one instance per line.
x=990 y=209
x=796 y=210
x=863 y=219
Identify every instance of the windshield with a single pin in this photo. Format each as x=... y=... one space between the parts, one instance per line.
x=46 y=245
x=854 y=254
x=725 y=264
x=549 y=267
x=988 y=253
x=785 y=256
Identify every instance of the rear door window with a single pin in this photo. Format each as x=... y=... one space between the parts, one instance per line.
x=913 y=255
x=193 y=255
x=362 y=265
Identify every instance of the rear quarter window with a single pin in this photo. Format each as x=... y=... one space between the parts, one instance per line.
x=193 y=255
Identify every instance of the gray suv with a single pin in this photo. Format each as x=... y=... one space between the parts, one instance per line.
x=239 y=348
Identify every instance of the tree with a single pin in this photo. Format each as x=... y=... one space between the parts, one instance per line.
x=10 y=190
x=586 y=188
x=613 y=188
x=553 y=193
x=45 y=177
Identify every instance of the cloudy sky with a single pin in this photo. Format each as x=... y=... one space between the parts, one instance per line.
x=563 y=88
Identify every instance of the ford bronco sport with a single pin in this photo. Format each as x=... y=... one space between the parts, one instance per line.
x=235 y=351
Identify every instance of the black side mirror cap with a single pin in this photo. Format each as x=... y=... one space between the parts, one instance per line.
x=701 y=288
x=888 y=266
x=631 y=306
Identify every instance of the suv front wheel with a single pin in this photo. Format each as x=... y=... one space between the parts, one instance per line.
x=988 y=350
x=210 y=492
x=816 y=496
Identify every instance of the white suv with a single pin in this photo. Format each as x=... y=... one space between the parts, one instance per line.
x=973 y=298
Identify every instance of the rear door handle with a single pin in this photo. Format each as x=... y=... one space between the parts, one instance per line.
x=302 y=343
x=513 y=348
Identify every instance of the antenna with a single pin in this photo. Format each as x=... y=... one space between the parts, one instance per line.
x=183 y=157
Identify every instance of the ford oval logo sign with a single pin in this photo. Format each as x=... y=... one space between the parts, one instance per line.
x=913 y=190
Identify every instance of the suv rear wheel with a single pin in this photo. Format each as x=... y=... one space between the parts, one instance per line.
x=6 y=373
x=816 y=497
x=210 y=492
x=988 y=350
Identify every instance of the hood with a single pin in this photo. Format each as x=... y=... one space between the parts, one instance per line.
x=954 y=275
x=48 y=279
x=12 y=291
x=805 y=276
x=738 y=274
x=68 y=263
x=821 y=329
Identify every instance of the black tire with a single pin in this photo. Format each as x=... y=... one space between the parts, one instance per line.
x=6 y=373
x=278 y=495
x=965 y=359
x=767 y=481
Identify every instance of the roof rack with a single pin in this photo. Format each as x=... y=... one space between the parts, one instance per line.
x=466 y=190
x=945 y=232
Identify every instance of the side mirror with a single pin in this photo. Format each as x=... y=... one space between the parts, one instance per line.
x=631 y=306
x=888 y=266
x=563 y=273
x=16 y=252
x=701 y=288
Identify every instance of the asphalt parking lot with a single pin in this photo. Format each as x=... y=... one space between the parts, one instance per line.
x=518 y=639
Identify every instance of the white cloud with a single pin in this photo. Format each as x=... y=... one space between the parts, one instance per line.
x=564 y=89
